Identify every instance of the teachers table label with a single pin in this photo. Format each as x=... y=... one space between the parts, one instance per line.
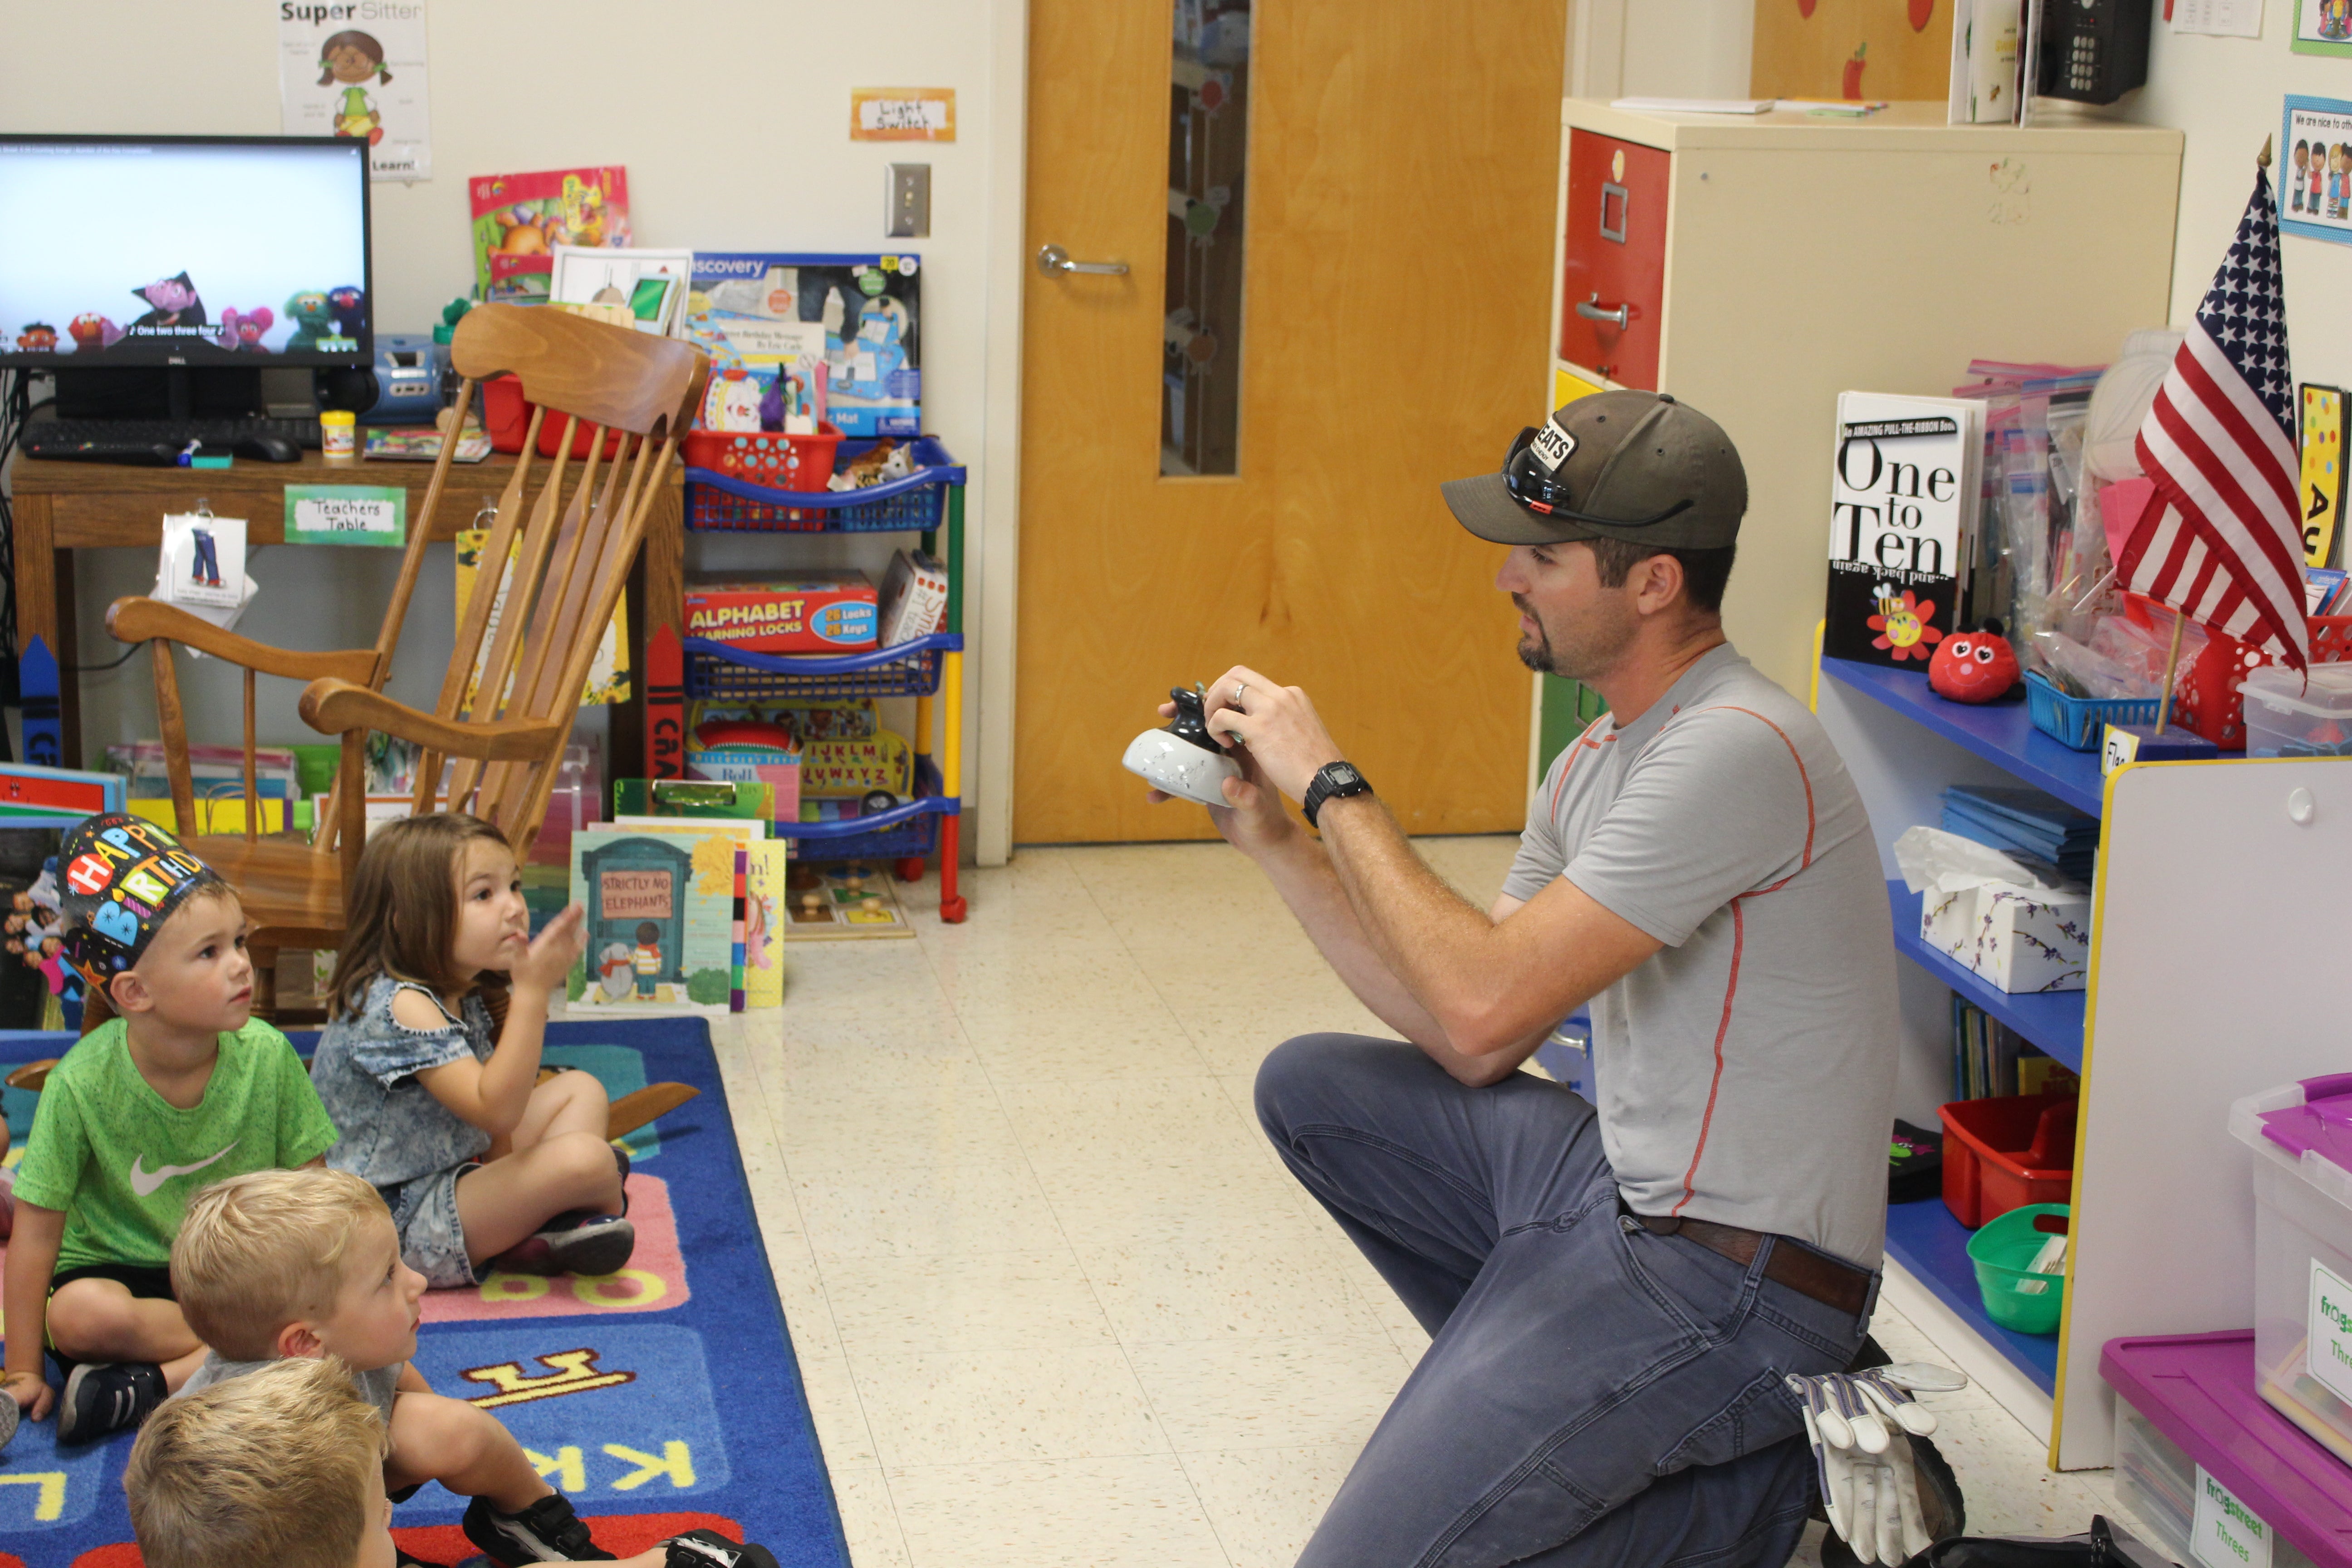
x=347 y=514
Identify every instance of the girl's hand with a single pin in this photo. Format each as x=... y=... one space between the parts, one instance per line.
x=31 y=1392
x=552 y=952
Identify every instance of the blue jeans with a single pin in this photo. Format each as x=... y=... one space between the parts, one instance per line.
x=1592 y=1393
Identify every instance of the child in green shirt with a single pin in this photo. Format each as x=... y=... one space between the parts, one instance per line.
x=181 y=1088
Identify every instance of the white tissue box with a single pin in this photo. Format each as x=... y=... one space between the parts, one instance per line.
x=2019 y=939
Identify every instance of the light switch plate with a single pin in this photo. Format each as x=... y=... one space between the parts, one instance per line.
x=909 y=215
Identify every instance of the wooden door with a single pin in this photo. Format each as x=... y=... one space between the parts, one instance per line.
x=1400 y=187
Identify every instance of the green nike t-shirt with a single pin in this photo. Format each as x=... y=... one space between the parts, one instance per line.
x=122 y=1162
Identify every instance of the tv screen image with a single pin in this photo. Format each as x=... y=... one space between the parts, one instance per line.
x=192 y=251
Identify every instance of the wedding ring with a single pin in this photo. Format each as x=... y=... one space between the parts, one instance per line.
x=1239 y=686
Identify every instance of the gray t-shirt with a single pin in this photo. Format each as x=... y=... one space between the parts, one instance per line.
x=377 y=1386
x=1744 y=1074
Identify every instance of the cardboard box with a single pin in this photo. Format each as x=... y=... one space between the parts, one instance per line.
x=817 y=612
x=914 y=598
x=2018 y=938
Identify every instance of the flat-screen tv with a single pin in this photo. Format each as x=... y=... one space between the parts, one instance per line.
x=164 y=251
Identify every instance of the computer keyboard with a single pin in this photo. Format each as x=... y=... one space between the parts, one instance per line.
x=160 y=442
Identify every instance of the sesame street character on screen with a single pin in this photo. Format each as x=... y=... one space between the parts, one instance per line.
x=172 y=302
x=347 y=59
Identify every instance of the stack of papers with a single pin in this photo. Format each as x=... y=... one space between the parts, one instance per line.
x=2027 y=823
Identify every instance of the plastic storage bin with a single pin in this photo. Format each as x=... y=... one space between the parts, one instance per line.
x=2014 y=1296
x=2081 y=723
x=505 y=419
x=2301 y=1139
x=2287 y=719
x=765 y=457
x=2156 y=1481
x=2002 y=1153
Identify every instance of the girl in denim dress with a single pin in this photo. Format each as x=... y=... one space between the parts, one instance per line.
x=429 y=1065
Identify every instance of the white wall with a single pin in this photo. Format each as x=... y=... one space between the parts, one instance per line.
x=1688 y=49
x=2225 y=93
x=732 y=116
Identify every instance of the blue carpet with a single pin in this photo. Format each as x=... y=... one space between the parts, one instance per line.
x=664 y=1397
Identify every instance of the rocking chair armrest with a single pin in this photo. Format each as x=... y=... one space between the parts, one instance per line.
x=334 y=706
x=137 y=618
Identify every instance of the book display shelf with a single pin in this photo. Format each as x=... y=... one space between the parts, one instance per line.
x=2213 y=878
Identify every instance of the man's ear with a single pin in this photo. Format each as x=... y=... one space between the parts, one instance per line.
x=298 y=1339
x=1659 y=585
x=129 y=993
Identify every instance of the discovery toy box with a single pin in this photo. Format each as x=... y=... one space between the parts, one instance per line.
x=869 y=309
x=820 y=612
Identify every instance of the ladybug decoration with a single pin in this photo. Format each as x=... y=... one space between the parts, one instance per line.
x=1974 y=667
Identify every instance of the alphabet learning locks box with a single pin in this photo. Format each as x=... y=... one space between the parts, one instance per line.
x=817 y=612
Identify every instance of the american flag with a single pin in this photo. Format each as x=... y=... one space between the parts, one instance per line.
x=2222 y=540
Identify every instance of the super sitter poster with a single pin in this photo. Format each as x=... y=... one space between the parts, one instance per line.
x=356 y=68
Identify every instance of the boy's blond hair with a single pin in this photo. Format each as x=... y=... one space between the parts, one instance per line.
x=262 y=1250
x=266 y=1468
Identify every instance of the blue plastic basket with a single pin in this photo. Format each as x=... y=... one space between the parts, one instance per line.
x=909 y=669
x=716 y=503
x=2081 y=723
x=909 y=829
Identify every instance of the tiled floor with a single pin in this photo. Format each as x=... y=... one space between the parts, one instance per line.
x=1055 y=1299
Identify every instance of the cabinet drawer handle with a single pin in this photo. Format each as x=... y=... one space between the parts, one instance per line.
x=1591 y=311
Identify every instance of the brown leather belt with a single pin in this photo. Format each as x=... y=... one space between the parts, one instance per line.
x=1802 y=1269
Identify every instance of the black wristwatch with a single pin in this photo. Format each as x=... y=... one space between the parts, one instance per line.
x=1332 y=781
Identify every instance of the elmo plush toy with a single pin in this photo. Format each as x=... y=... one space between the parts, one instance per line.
x=1974 y=667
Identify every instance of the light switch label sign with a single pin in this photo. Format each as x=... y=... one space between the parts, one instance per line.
x=347 y=514
x=2226 y=1533
x=2330 y=1326
x=902 y=114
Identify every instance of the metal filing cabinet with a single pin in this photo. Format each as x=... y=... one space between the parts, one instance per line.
x=1756 y=266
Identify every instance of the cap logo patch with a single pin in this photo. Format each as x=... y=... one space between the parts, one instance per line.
x=1552 y=447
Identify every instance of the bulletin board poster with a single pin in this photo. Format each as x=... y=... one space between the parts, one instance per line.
x=356 y=68
x=2323 y=26
x=2314 y=169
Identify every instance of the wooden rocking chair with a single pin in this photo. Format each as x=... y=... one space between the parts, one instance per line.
x=505 y=711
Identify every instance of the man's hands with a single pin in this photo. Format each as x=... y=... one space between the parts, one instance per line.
x=1273 y=735
x=553 y=954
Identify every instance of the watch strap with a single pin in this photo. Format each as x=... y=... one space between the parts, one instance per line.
x=1333 y=781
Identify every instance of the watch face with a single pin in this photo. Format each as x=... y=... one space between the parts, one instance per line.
x=1342 y=775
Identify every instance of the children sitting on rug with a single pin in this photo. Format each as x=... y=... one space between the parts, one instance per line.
x=181 y=1088
x=306 y=1263
x=482 y=1164
x=286 y=1467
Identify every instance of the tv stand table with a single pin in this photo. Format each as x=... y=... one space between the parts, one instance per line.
x=64 y=507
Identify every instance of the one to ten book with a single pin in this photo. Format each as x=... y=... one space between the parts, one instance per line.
x=1904 y=489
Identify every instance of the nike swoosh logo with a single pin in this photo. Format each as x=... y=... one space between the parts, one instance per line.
x=144 y=1182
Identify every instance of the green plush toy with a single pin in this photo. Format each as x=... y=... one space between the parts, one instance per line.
x=313 y=319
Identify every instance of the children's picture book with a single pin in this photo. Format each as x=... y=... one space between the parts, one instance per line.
x=519 y=219
x=661 y=917
x=868 y=307
x=392 y=444
x=608 y=672
x=639 y=289
x=1902 y=491
x=2322 y=428
x=56 y=798
x=764 y=892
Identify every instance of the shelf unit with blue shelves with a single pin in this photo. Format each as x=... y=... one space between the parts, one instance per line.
x=926 y=502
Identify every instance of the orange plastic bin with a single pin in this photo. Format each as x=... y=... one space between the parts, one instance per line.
x=2006 y=1153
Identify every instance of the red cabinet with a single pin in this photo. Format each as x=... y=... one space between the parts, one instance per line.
x=1614 y=257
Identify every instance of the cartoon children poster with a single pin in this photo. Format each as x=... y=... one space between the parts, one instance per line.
x=2315 y=177
x=357 y=71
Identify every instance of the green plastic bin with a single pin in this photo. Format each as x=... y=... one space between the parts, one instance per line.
x=2000 y=1249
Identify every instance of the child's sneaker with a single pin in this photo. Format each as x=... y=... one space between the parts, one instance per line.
x=546 y=1531
x=107 y=1396
x=9 y=1416
x=592 y=1243
x=708 y=1549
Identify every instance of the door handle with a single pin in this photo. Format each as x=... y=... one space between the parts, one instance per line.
x=1054 y=262
x=1591 y=311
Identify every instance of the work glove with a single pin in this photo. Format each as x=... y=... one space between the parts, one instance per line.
x=1861 y=1425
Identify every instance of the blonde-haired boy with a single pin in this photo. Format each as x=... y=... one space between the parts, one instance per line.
x=284 y=1466
x=279 y=1265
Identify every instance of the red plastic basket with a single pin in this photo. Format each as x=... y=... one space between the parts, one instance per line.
x=506 y=415
x=2210 y=697
x=765 y=457
x=2006 y=1152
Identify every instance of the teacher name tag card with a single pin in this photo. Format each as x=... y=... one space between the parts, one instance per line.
x=347 y=514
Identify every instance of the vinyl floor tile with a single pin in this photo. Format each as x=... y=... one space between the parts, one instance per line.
x=1134 y=1513
x=1271 y=1392
x=1251 y=1281
x=1264 y=1503
x=965 y=1406
x=977 y=1302
x=885 y=1210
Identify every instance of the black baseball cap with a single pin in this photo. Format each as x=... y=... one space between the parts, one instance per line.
x=1636 y=467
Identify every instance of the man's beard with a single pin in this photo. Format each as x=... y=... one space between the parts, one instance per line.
x=1594 y=647
x=1535 y=651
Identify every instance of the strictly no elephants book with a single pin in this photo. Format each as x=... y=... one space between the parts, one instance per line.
x=1904 y=494
x=661 y=917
